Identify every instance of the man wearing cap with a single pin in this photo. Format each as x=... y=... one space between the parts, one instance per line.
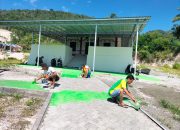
x=49 y=74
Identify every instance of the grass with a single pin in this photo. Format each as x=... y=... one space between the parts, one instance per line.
x=1 y=112
x=9 y=62
x=170 y=70
x=17 y=97
x=20 y=125
x=31 y=107
x=175 y=110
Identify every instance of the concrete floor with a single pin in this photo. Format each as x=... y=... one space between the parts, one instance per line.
x=98 y=114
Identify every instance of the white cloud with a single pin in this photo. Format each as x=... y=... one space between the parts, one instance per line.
x=65 y=9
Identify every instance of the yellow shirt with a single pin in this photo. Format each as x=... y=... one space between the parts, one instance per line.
x=122 y=84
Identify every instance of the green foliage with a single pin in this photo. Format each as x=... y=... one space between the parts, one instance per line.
x=16 y=96
x=166 y=66
x=38 y=15
x=2 y=95
x=32 y=105
x=145 y=55
x=158 y=46
x=174 y=109
x=9 y=62
x=176 y=31
x=113 y=15
x=176 y=66
x=177 y=17
x=33 y=101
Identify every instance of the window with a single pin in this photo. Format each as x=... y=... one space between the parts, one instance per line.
x=91 y=43
x=73 y=46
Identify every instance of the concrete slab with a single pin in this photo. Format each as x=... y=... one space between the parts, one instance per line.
x=98 y=114
x=95 y=115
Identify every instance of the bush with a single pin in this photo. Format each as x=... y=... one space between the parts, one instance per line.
x=144 y=55
x=176 y=66
x=166 y=66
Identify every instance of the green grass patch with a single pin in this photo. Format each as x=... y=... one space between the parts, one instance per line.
x=175 y=110
x=69 y=96
x=20 y=84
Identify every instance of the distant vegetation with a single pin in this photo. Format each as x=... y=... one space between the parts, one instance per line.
x=158 y=46
x=38 y=15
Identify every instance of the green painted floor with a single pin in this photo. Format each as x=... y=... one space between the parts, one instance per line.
x=74 y=73
x=68 y=96
x=62 y=97
x=20 y=85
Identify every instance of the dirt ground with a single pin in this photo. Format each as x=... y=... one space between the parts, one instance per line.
x=17 y=112
x=151 y=93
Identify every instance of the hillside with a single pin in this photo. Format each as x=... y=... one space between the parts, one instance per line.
x=38 y=15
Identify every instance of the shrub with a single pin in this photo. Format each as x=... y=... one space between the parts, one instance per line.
x=166 y=66
x=176 y=66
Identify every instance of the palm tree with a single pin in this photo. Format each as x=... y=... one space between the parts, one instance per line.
x=177 y=17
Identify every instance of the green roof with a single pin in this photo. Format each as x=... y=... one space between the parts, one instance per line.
x=111 y=26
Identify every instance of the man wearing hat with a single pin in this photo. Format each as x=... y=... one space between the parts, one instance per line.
x=49 y=75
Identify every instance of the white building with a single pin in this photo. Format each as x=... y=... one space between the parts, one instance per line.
x=103 y=44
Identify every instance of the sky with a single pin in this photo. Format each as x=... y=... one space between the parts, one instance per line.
x=161 y=11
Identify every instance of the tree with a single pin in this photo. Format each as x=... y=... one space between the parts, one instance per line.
x=113 y=15
x=157 y=46
x=177 y=17
x=176 y=27
x=176 y=31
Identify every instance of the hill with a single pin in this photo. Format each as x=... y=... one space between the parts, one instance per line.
x=38 y=15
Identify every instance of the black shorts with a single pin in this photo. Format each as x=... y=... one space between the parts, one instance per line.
x=51 y=78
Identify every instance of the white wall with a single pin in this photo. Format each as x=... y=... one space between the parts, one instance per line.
x=49 y=52
x=110 y=59
x=68 y=55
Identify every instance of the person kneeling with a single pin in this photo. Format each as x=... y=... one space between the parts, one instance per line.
x=86 y=71
x=49 y=76
x=119 y=88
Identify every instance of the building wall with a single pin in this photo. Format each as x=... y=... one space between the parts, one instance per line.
x=101 y=40
x=111 y=59
x=49 y=52
x=68 y=55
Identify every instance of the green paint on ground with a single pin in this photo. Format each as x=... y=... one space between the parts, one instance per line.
x=20 y=84
x=144 y=77
x=69 y=96
x=70 y=73
x=74 y=73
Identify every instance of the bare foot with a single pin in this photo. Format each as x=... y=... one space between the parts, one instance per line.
x=123 y=105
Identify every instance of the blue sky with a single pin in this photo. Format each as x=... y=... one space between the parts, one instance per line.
x=161 y=11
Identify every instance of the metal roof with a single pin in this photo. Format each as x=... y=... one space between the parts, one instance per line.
x=56 y=28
